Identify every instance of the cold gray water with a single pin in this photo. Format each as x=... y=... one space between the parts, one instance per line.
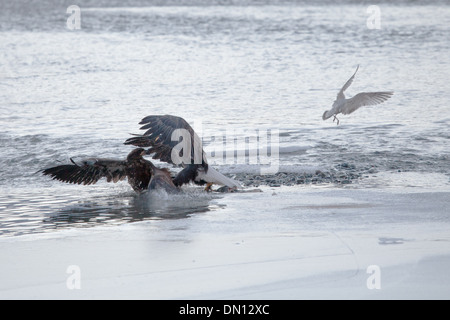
x=237 y=68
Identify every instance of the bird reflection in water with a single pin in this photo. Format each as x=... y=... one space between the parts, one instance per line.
x=130 y=207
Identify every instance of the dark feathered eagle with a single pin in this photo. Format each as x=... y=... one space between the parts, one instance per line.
x=171 y=139
x=141 y=173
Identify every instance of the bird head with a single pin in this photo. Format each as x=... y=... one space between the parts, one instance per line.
x=136 y=154
x=325 y=116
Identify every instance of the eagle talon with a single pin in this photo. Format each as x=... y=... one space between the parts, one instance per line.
x=208 y=187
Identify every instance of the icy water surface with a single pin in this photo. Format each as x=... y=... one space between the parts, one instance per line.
x=237 y=68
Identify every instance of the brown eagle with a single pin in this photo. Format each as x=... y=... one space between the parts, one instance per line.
x=171 y=139
x=141 y=174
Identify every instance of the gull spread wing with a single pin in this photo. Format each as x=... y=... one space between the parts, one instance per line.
x=347 y=84
x=365 y=99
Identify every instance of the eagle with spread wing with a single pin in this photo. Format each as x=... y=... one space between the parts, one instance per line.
x=141 y=173
x=171 y=139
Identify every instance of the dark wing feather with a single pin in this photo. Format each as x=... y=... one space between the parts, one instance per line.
x=188 y=174
x=89 y=171
x=158 y=138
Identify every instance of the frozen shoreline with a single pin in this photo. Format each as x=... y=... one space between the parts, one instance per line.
x=283 y=243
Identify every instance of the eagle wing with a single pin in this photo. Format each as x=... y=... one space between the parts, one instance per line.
x=89 y=171
x=163 y=134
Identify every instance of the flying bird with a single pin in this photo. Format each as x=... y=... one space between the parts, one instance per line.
x=347 y=106
x=141 y=173
x=171 y=139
